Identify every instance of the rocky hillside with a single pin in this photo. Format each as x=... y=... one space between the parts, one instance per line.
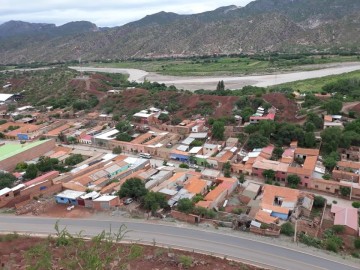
x=261 y=26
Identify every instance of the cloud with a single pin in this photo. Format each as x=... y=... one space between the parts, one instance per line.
x=102 y=13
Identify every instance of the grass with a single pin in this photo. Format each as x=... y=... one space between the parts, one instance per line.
x=224 y=65
x=315 y=85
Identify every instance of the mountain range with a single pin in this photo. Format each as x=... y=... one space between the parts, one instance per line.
x=290 y=26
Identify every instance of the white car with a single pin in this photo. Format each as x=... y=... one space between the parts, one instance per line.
x=170 y=164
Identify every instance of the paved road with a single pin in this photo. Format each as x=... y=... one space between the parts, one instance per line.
x=234 y=82
x=260 y=253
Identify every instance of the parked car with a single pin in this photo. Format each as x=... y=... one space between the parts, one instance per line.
x=170 y=164
x=193 y=166
x=128 y=201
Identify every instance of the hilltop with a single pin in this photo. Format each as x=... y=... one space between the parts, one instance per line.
x=261 y=26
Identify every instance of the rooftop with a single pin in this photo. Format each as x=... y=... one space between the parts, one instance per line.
x=9 y=150
x=274 y=198
x=5 y=191
x=196 y=185
x=307 y=151
x=70 y=194
x=107 y=135
x=105 y=198
x=345 y=216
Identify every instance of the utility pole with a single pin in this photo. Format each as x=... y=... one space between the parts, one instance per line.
x=295 y=233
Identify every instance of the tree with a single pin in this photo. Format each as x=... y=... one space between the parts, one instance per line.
x=277 y=153
x=220 y=86
x=31 y=172
x=309 y=140
x=197 y=198
x=309 y=127
x=175 y=121
x=330 y=161
x=319 y=202
x=246 y=113
x=20 y=167
x=241 y=178
x=72 y=140
x=164 y=117
x=46 y=164
x=293 y=180
x=124 y=137
x=345 y=191
x=124 y=127
x=269 y=174
x=333 y=106
x=117 y=150
x=218 y=129
x=356 y=204
x=185 y=205
x=133 y=188
x=314 y=119
x=74 y=159
x=287 y=228
x=357 y=243
x=184 y=166
x=227 y=168
x=257 y=141
x=2 y=136
x=330 y=139
x=154 y=201
x=195 y=143
x=6 y=180
x=266 y=128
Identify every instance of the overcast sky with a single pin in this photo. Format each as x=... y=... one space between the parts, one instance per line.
x=101 y=12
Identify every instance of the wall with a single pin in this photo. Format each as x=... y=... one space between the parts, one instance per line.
x=185 y=217
x=265 y=232
x=9 y=164
x=325 y=185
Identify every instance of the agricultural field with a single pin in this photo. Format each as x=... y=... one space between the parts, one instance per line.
x=228 y=65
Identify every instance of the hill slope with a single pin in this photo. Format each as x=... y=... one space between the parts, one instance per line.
x=261 y=26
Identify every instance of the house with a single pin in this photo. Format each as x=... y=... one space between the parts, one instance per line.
x=7 y=98
x=106 y=202
x=279 y=202
x=347 y=170
x=347 y=217
x=257 y=118
x=261 y=164
x=352 y=153
x=209 y=174
x=68 y=197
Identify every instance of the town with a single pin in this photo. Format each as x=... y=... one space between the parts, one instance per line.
x=245 y=174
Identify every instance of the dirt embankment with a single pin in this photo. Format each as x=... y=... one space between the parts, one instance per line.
x=287 y=108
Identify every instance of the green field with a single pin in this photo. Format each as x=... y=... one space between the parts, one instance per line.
x=227 y=65
x=315 y=85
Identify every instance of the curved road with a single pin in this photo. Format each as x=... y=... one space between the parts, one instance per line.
x=234 y=82
x=234 y=247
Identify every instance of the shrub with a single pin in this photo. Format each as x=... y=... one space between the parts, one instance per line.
x=184 y=166
x=338 y=228
x=355 y=255
x=357 y=243
x=185 y=205
x=117 y=150
x=356 y=204
x=309 y=241
x=186 y=261
x=287 y=229
x=334 y=202
x=331 y=245
x=136 y=251
x=319 y=201
x=237 y=211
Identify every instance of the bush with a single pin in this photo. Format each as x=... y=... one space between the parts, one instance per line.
x=331 y=245
x=117 y=150
x=338 y=228
x=356 y=204
x=185 y=205
x=287 y=229
x=357 y=243
x=184 y=166
x=237 y=211
x=309 y=241
x=186 y=261
x=334 y=202
x=319 y=201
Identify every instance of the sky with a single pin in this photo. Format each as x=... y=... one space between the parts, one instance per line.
x=101 y=12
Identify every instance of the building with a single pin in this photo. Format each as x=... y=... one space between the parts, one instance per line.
x=106 y=202
x=68 y=197
x=257 y=118
x=7 y=98
x=12 y=154
x=347 y=217
x=279 y=202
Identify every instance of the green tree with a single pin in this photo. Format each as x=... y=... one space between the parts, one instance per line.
x=117 y=150
x=309 y=140
x=195 y=143
x=333 y=106
x=2 y=136
x=153 y=201
x=46 y=164
x=20 y=167
x=251 y=129
x=124 y=127
x=277 y=153
x=345 y=191
x=330 y=139
x=133 y=188
x=314 y=119
x=287 y=229
x=72 y=140
x=184 y=166
x=220 y=86
x=309 y=127
x=164 y=117
x=330 y=161
x=218 y=129
x=357 y=243
x=31 y=172
x=241 y=178
x=74 y=159
x=6 y=180
x=125 y=137
x=269 y=174
x=266 y=128
x=319 y=201
x=246 y=113
x=356 y=204
x=257 y=141
x=197 y=198
x=293 y=180
x=185 y=205
x=227 y=169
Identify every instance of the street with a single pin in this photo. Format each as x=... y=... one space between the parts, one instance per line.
x=232 y=246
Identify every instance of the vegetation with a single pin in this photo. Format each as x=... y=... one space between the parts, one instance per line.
x=218 y=129
x=227 y=169
x=6 y=180
x=184 y=166
x=153 y=201
x=319 y=201
x=356 y=204
x=287 y=229
x=186 y=261
x=269 y=174
x=31 y=172
x=117 y=150
x=185 y=205
x=345 y=191
x=133 y=188
x=357 y=243
x=74 y=159
x=293 y=180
